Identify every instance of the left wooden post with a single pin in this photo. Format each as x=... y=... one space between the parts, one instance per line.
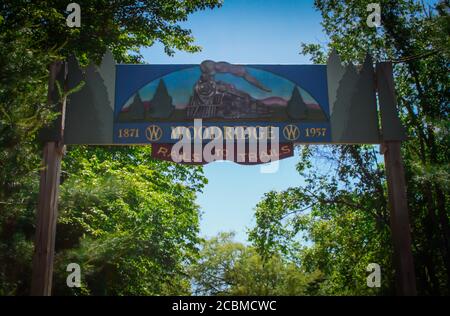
x=47 y=210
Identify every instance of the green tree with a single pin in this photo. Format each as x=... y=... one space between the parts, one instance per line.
x=130 y=222
x=121 y=25
x=226 y=267
x=297 y=108
x=330 y=224
x=135 y=112
x=343 y=209
x=161 y=105
x=23 y=111
x=33 y=35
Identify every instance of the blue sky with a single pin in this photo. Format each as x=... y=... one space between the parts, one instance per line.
x=245 y=32
x=249 y=32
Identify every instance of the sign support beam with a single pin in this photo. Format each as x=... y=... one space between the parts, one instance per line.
x=47 y=214
x=47 y=210
x=399 y=219
x=393 y=134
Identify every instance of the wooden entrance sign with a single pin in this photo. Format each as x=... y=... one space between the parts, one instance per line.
x=145 y=104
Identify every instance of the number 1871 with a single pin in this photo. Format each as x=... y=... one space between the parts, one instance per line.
x=128 y=133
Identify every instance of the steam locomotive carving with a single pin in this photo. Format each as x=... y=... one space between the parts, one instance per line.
x=218 y=99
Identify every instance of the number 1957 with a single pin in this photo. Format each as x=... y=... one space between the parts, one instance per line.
x=316 y=132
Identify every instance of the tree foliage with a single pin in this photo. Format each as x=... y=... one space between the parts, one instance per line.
x=342 y=208
x=121 y=25
x=337 y=222
x=226 y=267
x=131 y=221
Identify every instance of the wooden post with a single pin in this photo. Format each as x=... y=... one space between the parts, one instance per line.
x=393 y=134
x=47 y=214
x=47 y=211
x=399 y=218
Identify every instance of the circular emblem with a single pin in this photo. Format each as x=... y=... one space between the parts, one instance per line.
x=153 y=133
x=291 y=132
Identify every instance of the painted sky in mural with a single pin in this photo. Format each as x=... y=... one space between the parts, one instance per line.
x=180 y=83
x=219 y=90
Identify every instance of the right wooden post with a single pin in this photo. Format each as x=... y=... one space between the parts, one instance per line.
x=392 y=136
x=399 y=219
